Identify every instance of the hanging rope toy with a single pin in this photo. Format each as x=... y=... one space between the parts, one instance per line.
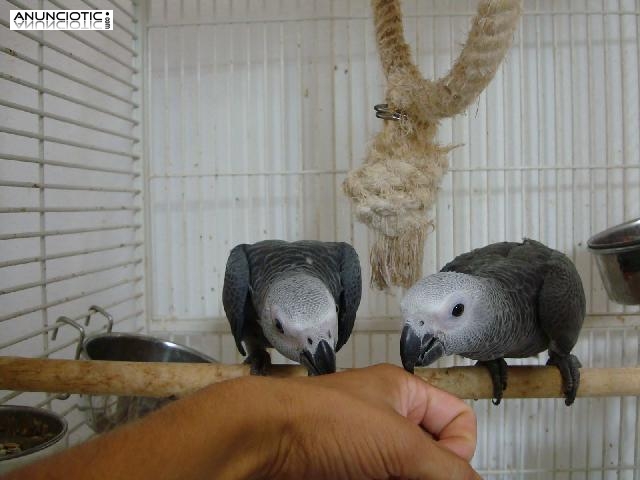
x=398 y=182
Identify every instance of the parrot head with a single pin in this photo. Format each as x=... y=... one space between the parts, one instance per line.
x=300 y=320
x=443 y=314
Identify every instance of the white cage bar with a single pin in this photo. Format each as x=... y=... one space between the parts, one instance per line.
x=71 y=215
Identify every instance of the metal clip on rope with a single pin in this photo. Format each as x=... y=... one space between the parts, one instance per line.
x=80 y=344
x=383 y=112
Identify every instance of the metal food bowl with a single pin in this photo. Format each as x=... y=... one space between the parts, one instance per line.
x=108 y=411
x=28 y=434
x=617 y=254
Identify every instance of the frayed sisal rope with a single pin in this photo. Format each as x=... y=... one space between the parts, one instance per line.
x=398 y=182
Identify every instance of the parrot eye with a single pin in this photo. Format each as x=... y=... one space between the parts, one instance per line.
x=309 y=341
x=329 y=333
x=279 y=326
x=457 y=310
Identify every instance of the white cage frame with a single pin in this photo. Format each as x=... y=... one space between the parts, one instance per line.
x=306 y=126
x=71 y=156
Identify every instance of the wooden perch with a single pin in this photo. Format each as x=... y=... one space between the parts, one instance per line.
x=166 y=379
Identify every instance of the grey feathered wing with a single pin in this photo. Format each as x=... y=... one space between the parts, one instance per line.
x=235 y=293
x=474 y=260
x=561 y=304
x=351 y=279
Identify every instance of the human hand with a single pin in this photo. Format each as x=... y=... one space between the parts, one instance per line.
x=377 y=422
x=372 y=423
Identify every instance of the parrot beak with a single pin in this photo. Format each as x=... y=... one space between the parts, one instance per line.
x=418 y=352
x=322 y=361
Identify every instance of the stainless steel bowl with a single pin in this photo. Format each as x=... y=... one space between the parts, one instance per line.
x=28 y=434
x=108 y=411
x=617 y=254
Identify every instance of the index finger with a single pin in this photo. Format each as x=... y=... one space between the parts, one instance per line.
x=450 y=420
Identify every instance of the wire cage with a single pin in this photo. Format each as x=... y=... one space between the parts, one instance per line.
x=133 y=160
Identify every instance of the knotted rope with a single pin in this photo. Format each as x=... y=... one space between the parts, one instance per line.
x=399 y=180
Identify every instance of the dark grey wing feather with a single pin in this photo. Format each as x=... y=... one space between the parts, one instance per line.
x=561 y=303
x=519 y=267
x=351 y=279
x=471 y=261
x=236 y=298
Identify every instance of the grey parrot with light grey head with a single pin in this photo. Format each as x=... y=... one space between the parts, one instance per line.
x=505 y=300
x=300 y=298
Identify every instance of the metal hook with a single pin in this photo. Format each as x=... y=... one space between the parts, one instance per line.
x=54 y=335
x=383 y=112
x=96 y=309
x=75 y=325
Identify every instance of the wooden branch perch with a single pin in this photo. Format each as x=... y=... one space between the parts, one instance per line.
x=166 y=379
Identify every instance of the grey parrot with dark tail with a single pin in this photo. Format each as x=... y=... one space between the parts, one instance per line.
x=505 y=300
x=300 y=298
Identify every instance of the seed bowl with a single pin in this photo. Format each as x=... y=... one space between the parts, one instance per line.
x=28 y=434
x=108 y=411
x=617 y=254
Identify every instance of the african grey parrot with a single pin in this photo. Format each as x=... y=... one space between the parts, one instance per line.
x=508 y=300
x=300 y=298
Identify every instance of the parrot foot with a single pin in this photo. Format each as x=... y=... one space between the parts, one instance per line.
x=569 y=366
x=498 y=371
x=260 y=361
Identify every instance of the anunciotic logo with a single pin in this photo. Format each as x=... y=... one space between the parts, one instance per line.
x=61 y=20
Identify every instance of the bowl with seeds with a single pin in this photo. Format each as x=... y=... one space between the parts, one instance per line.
x=28 y=434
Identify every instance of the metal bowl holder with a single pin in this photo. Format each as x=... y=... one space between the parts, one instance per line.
x=81 y=333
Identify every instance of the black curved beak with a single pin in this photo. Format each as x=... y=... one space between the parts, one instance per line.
x=322 y=361
x=418 y=352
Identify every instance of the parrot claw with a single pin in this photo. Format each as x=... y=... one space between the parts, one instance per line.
x=260 y=361
x=569 y=366
x=498 y=371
